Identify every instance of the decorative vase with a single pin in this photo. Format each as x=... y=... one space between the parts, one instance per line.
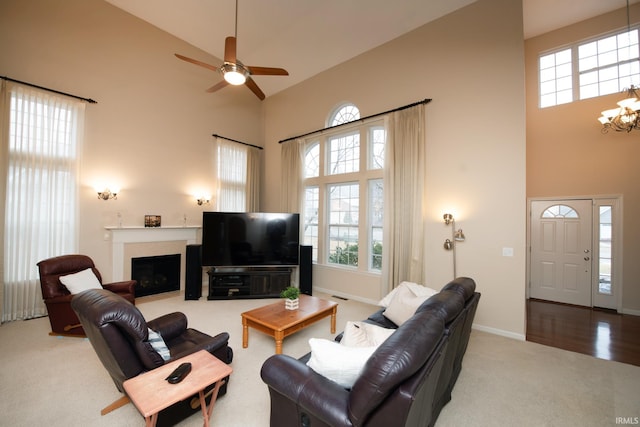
x=291 y=304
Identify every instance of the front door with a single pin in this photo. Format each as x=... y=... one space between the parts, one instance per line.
x=561 y=236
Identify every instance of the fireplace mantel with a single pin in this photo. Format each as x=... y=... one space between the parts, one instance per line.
x=123 y=235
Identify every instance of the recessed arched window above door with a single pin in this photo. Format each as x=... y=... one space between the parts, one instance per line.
x=560 y=211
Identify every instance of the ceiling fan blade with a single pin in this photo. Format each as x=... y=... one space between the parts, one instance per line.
x=267 y=71
x=251 y=84
x=218 y=86
x=195 y=61
x=230 y=50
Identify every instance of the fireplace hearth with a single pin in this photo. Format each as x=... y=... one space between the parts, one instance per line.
x=156 y=274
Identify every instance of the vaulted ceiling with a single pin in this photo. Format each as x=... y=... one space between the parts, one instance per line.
x=308 y=37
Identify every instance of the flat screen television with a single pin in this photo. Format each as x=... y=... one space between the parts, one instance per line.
x=244 y=239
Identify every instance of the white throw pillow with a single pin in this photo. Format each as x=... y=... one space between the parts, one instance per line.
x=416 y=288
x=81 y=281
x=406 y=301
x=362 y=334
x=337 y=362
x=158 y=344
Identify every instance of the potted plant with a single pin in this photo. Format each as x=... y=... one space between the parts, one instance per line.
x=291 y=297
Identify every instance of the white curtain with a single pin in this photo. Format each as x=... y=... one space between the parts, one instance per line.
x=253 y=179
x=404 y=198
x=291 y=180
x=41 y=139
x=238 y=177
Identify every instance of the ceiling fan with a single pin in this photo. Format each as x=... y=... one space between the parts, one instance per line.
x=235 y=72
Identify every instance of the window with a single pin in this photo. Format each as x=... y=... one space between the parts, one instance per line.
x=343 y=210
x=344 y=114
x=311 y=207
x=231 y=166
x=559 y=211
x=556 y=83
x=597 y=67
x=604 y=250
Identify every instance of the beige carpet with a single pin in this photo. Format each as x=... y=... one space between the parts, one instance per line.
x=56 y=381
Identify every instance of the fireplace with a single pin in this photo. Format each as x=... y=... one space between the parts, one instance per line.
x=156 y=274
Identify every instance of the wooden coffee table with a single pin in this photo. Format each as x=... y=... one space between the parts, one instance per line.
x=151 y=393
x=275 y=320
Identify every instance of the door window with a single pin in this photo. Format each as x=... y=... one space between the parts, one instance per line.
x=604 y=252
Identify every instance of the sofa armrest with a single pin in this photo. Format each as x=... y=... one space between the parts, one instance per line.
x=62 y=299
x=124 y=287
x=314 y=394
x=169 y=325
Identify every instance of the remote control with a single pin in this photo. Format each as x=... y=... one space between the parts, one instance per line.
x=179 y=373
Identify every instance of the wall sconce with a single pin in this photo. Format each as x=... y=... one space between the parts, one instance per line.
x=456 y=236
x=203 y=200
x=107 y=194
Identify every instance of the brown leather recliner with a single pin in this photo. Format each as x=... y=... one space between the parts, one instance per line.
x=118 y=333
x=57 y=297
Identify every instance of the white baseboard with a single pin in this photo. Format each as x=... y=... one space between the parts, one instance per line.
x=630 y=311
x=495 y=331
x=346 y=296
x=501 y=332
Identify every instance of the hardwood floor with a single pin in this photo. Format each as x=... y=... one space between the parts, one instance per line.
x=601 y=333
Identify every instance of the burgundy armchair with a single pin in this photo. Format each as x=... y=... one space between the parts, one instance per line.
x=57 y=297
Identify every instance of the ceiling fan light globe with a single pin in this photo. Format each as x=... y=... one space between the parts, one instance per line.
x=234 y=74
x=234 y=78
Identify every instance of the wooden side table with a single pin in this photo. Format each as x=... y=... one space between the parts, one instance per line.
x=151 y=393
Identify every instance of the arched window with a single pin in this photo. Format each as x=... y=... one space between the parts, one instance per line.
x=343 y=182
x=345 y=113
x=312 y=160
x=560 y=211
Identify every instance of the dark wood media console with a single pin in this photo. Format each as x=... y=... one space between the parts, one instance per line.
x=248 y=282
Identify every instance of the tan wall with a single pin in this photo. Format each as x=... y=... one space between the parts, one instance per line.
x=567 y=155
x=150 y=132
x=471 y=64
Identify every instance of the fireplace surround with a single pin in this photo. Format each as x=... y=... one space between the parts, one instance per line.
x=153 y=239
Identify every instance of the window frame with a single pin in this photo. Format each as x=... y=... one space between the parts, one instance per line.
x=363 y=176
x=576 y=73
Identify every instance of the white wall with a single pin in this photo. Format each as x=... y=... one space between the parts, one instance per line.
x=471 y=63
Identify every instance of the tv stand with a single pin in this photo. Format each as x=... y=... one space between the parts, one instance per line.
x=247 y=282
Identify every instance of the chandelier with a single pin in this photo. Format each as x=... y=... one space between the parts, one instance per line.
x=626 y=117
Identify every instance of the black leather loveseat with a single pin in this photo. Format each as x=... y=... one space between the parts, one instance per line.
x=406 y=382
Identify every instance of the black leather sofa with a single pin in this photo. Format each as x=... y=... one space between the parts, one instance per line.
x=406 y=382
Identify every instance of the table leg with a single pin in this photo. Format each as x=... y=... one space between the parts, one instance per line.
x=206 y=412
x=151 y=420
x=333 y=319
x=245 y=333
x=279 y=337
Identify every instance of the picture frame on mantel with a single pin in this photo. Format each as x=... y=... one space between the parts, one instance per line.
x=152 y=220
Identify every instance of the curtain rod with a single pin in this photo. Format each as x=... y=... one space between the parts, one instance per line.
x=235 y=140
x=424 y=101
x=90 y=101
